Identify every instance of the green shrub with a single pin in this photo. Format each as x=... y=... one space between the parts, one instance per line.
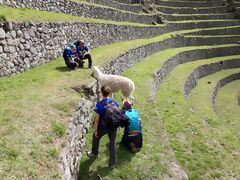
x=3 y=17
x=53 y=152
x=59 y=129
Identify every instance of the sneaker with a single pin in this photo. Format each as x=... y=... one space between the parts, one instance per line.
x=91 y=155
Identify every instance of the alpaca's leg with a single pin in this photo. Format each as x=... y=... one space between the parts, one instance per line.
x=111 y=95
x=128 y=94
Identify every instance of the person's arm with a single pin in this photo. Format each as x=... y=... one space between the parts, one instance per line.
x=86 y=51
x=67 y=55
x=95 y=124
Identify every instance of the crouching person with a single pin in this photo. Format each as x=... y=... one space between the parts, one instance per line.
x=101 y=128
x=132 y=135
x=83 y=53
x=70 y=56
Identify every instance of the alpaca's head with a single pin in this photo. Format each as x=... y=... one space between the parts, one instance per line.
x=96 y=72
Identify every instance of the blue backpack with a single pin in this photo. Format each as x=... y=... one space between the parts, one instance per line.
x=134 y=119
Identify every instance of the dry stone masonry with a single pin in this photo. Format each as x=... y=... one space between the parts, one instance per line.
x=80 y=123
x=192 y=55
x=83 y=10
x=222 y=83
x=25 y=45
x=127 y=7
x=207 y=69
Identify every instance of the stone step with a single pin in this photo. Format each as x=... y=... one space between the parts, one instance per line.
x=127 y=7
x=84 y=9
x=193 y=55
x=207 y=69
x=128 y=1
x=235 y=30
x=202 y=24
x=236 y=4
x=221 y=83
x=190 y=10
x=183 y=17
x=135 y=55
x=198 y=1
x=189 y=3
x=208 y=40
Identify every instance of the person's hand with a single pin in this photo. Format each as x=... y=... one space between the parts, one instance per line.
x=72 y=60
x=96 y=134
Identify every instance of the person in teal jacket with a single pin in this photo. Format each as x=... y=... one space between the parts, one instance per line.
x=132 y=135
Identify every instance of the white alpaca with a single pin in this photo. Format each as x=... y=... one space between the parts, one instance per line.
x=115 y=82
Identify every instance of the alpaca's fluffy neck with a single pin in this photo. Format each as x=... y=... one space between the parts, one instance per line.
x=99 y=74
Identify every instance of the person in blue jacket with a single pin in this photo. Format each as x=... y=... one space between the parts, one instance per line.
x=83 y=53
x=70 y=56
x=101 y=129
x=132 y=135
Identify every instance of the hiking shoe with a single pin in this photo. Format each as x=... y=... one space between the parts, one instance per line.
x=91 y=155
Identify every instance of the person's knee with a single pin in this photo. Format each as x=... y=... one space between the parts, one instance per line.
x=70 y=66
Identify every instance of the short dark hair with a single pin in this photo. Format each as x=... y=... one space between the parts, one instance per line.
x=106 y=90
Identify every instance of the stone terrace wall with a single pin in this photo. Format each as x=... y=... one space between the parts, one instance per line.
x=207 y=69
x=81 y=9
x=80 y=122
x=222 y=83
x=76 y=136
x=191 y=55
x=25 y=45
x=128 y=1
x=127 y=7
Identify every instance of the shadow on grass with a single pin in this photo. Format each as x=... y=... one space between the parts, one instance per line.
x=84 y=169
x=124 y=157
x=63 y=69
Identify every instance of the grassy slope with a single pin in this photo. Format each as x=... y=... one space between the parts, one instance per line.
x=192 y=139
x=190 y=135
x=25 y=14
x=23 y=101
x=191 y=125
x=227 y=103
x=32 y=128
x=174 y=110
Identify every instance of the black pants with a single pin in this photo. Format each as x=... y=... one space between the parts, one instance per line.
x=112 y=134
x=136 y=140
x=69 y=64
x=89 y=58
